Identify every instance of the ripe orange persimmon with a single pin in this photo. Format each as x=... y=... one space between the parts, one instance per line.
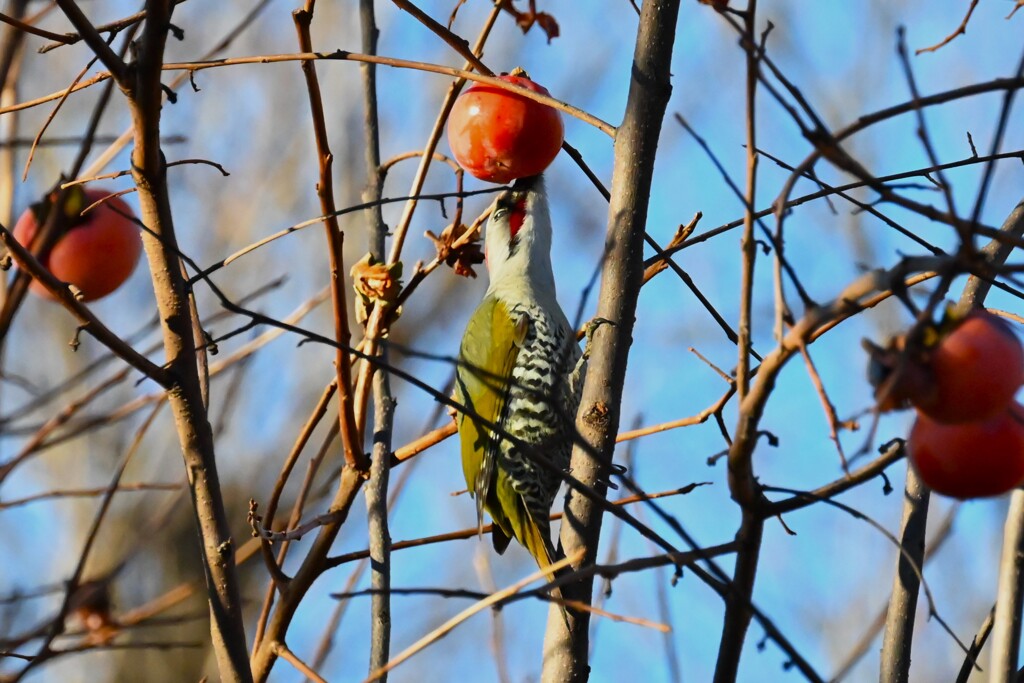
x=97 y=252
x=976 y=371
x=970 y=459
x=500 y=136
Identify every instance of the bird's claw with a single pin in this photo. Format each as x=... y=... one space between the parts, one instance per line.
x=588 y=331
x=610 y=470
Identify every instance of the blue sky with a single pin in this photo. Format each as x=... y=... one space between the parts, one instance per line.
x=822 y=586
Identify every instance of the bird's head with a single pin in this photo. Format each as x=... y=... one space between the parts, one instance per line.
x=518 y=237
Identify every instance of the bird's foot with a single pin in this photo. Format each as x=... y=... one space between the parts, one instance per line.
x=588 y=332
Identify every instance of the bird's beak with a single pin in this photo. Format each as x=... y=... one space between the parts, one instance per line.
x=525 y=184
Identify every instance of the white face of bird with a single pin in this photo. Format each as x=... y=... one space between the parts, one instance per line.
x=518 y=236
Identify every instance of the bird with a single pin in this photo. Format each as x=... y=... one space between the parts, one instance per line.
x=519 y=374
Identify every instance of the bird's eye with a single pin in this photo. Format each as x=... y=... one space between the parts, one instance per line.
x=500 y=212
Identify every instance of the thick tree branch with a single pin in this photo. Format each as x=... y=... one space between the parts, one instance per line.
x=185 y=397
x=899 y=625
x=383 y=403
x=1006 y=630
x=899 y=619
x=636 y=141
x=1009 y=599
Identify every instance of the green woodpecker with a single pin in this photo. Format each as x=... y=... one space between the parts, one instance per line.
x=520 y=369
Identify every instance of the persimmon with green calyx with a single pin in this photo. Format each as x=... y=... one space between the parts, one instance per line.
x=970 y=459
x=975 y=370
x=967 y=367
x=97 y=251
x=499 y=136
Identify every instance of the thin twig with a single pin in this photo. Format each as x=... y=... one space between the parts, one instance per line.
x=281 y=650
x=966 y=237
x=112 y=27
x=50 y=117
x=33 y=30
x=834 y=424
x=297 y=510
x=458 y=44
x=342 y=55
x=85 y=493
x=46 y=652
x=493 y=599
x=476 y=531
x=279 y=580
x=978 y=642
x=327 y=639
x=871 y=633
x=350 y=433
x=90 y=323
x=961 y=30
x=891 y=454
x=355 y=208
x=913 y=563
x=499 y=646
x=96 y=43
x=742 y=483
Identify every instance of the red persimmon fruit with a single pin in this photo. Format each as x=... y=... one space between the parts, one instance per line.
x=970 y=459
x=975 y=370
x=97 y=252
x=499 y=136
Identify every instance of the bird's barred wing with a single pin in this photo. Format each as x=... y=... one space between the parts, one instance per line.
x=486 y=358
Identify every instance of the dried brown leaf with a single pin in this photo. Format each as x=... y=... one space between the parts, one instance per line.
x=90 y=605
x=548 y=24
x=526 y=19
x=375 y=282
x=458 y=246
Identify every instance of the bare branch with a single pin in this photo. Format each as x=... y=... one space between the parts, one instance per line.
x=29 y=28
x=350 y=434
x=566 y=653
x=1003 y=662
x=186 y=398
x=495 y=598
x=961 y=30
x=110 y=59
x=383 y=402
x=899 y=621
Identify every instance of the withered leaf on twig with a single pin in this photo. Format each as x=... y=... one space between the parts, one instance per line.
x=375 y=282
x=90 y=605
x=527 y=19
x=457 y=249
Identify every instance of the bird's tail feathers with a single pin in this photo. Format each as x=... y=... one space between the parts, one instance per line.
x=538 y=542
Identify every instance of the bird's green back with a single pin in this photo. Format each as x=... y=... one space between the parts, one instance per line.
x=486 y=358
